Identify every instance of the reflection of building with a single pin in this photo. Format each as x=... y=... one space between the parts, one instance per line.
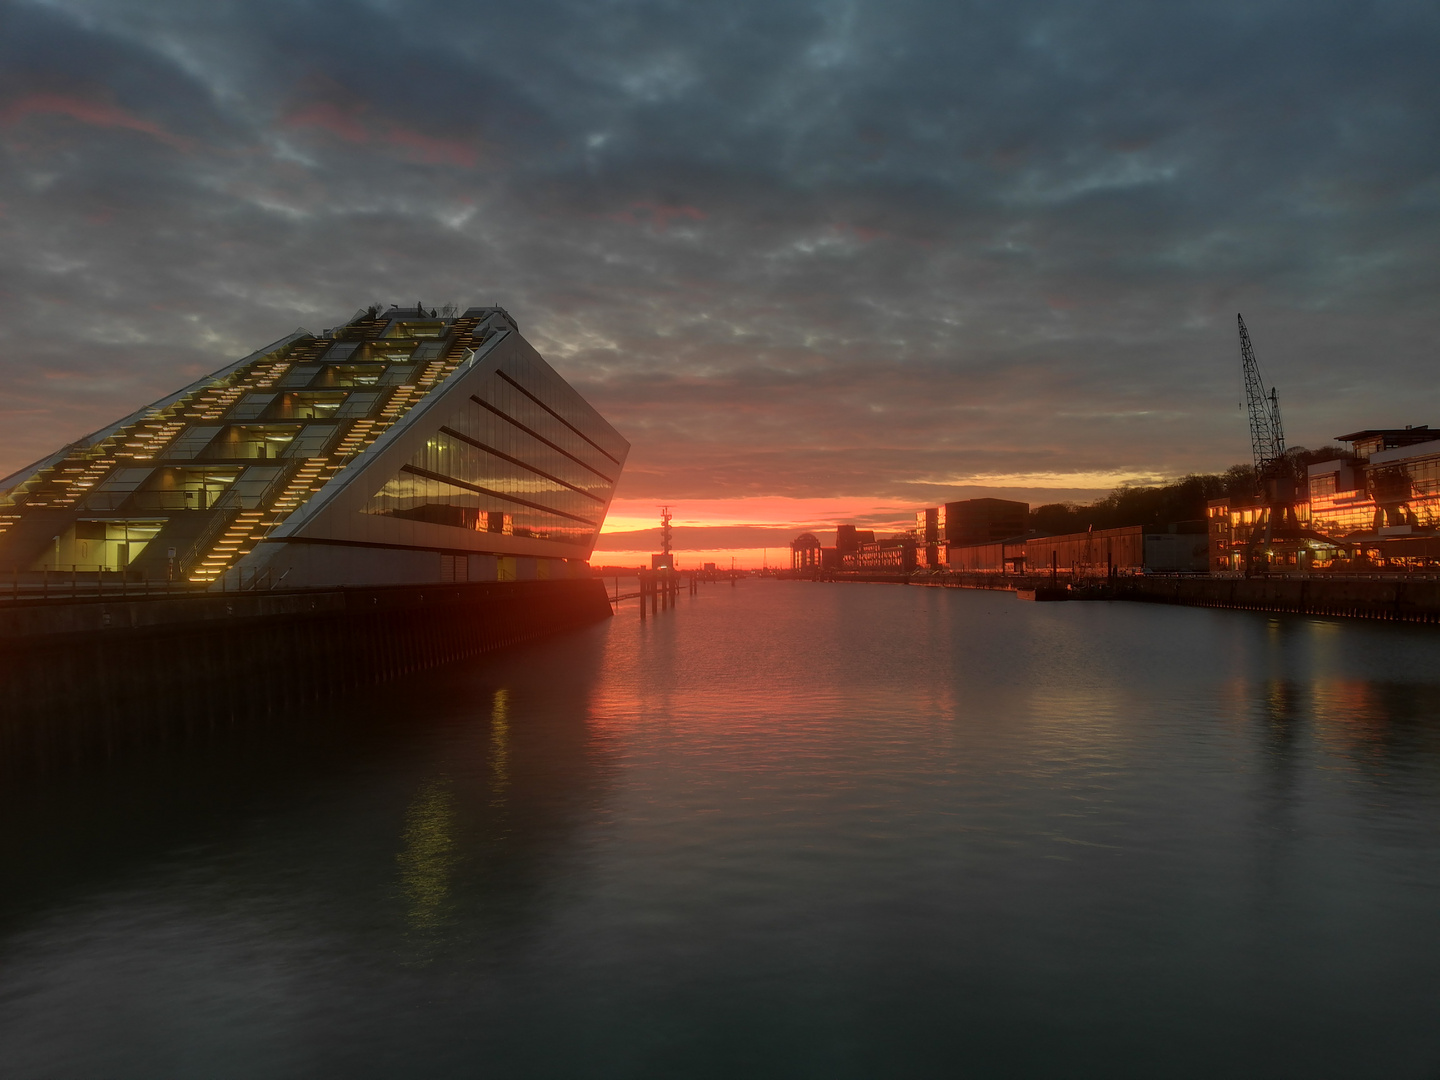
x=403 y=447
x=1378 y=506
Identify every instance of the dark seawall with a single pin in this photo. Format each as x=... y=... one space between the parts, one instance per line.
x=96 y=675
x=1394 y=598
x=1397 y=599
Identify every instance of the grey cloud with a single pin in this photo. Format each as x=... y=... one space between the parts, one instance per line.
x=821 y=248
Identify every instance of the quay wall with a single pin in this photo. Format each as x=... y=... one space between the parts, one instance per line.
x=1397 y=598
x=997 y=582
x=94 y=675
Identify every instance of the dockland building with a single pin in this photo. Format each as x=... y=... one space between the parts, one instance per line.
x=991 y=536
x=1376 y=507
x=406 y=446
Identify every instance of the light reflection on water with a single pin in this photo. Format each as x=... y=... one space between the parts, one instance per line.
x=783 y=829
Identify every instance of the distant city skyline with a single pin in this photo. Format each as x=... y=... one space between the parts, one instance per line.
x=817 y=263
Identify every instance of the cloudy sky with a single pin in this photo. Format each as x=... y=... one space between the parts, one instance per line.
x=812 y=259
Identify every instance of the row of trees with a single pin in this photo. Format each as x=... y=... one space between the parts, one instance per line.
x=1169 y=504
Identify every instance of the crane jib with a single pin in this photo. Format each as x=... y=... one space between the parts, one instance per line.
x=1267 y=436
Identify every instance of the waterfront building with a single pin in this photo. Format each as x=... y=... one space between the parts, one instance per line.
x=930 y=538
x=848 y=539
x=894 y=556
x=983 y=521
x=1133 y=549
x=1378 y=506
x=1002 y=557
x=938 y=529
x=403 y=447
x=805 y=553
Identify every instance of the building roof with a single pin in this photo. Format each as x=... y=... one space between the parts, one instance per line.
x=1391 y=436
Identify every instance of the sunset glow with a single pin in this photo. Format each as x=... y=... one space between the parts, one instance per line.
x=769 y=512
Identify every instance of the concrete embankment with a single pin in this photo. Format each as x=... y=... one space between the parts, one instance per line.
x=83 y=674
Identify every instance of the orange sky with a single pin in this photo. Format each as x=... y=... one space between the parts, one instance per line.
x=796 y=515
x=745 y=558
x=773 y=511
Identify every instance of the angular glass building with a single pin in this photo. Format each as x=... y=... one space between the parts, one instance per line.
x=407 y=446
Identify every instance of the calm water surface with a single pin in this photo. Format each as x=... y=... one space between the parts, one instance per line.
x=785 y=829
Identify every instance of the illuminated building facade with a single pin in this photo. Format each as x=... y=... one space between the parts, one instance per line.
x=404 y=447
x=1377 y=507
x=930 y=544
x=940 y=529
x=895 y=556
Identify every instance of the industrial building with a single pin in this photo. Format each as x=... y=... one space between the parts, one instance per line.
x=1134 y=549
x=406 y=446
x=938 y=530
x=972 y=521
x=989 y=536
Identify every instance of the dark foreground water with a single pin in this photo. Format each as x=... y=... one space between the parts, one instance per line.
x=786 y=830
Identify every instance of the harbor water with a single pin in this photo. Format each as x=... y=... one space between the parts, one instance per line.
x=784 y=829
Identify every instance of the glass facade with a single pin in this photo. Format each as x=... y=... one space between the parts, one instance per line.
x=197 y=481
x=524 y=449
x=1362 y=512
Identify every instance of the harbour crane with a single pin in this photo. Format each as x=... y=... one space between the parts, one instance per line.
x=1267 y=435
x=1274 y=478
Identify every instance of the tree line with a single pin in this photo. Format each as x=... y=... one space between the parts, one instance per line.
x=1170 y=504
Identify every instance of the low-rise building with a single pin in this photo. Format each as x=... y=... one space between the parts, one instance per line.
x=896 y=556
x=1002 y=557
x=1134 y=549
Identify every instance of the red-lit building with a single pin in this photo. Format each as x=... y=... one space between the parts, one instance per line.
x=805 y=552
x=1377 y=507
x=896 y=555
